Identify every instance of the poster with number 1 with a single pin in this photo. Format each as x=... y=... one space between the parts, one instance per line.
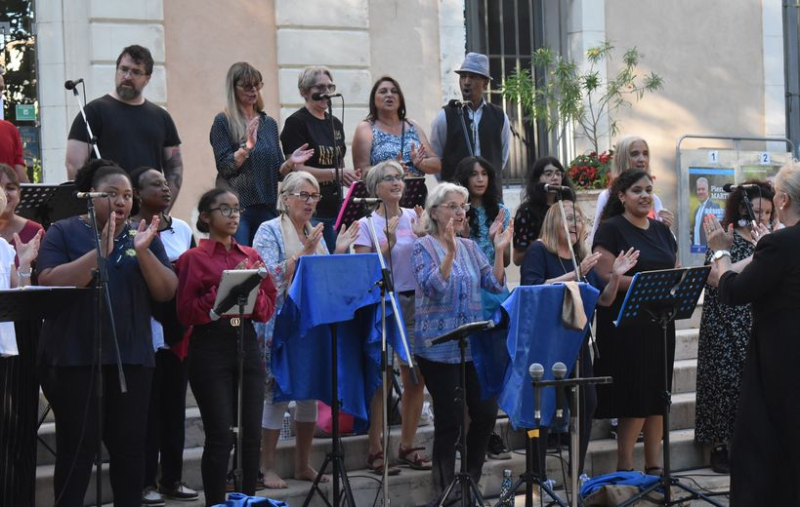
x=706 y=197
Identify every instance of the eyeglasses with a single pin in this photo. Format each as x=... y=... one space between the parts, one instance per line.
x=549 y=173
x=124 y=71
x=321 y=87
x=455 y=207
x=306 y=197
x=227 y=211
x=391 y=179
x=250 y=86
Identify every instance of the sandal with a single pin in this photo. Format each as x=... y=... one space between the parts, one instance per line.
x=657 y=471
x=416 y=461
x=377 y=469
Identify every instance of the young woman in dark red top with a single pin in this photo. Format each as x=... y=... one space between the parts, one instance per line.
x=212 y=360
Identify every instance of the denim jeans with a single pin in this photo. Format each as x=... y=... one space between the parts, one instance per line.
x=251 y=219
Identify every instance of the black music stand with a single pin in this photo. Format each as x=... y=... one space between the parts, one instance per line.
x=466 y=484
x=664 y=296
x=19 y=389
x=415 y=194
x=49 y=203
x=238 y=290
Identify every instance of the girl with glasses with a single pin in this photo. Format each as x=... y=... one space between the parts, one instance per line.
x=281 y=242
x=212 y=360
x=247 y=152
x=536 y=202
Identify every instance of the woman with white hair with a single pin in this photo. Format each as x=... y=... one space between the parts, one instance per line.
x=450 y=272
x=281 y=242
x=246 y=150
x=765 y=450
x=397 y=229
x=312 y=126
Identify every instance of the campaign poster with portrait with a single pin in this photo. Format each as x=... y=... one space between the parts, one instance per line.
x=706 y=196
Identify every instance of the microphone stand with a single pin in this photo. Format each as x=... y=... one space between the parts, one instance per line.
x=91 y=137
x=575 y=420
x=387 y=287
x=464 y=481
x=102 y=302
x=467 y=138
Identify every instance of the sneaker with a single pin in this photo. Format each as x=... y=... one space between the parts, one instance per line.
x=719 y=459
x=497 y=448
x=151 y=497
x=178 y=491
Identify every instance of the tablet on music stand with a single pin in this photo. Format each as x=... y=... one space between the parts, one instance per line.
x=232 y=278
x=350 y=211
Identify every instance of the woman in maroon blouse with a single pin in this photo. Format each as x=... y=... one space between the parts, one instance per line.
x=10 y=222
x=213 y=370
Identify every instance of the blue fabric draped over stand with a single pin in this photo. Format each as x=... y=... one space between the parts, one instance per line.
x=537 y=335
x=327 y=290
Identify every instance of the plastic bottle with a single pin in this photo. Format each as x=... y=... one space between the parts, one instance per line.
x=505 y=489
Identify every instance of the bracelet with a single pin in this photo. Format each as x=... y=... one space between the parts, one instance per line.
x=25 y=274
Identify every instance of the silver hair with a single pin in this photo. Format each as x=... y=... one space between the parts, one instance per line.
x=290 y=185
x=378 y=171
x=788 y=178
x=308 y=77
x=437 y=197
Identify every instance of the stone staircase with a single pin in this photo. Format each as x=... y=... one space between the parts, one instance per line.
x=412 y=488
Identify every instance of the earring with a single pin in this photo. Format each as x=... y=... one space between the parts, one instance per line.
x=742 y=222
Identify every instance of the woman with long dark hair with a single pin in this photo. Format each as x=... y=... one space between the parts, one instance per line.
x=725 y=331
x=536 y=202
x=633 y=355
x=387 y=133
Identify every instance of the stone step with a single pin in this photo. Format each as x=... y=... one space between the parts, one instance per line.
x=413 y=488
x=686 y=343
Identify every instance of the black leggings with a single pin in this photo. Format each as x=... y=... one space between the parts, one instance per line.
x=166 y=420
x=442 y=380
x=213 y=374
x=125 y=422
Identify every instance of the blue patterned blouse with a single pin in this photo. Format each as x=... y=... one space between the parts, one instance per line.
x=386 y=146
x=443 y=305
x=268 y=242
x=481 y=236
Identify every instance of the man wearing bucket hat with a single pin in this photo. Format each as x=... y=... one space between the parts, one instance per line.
x=484 y=130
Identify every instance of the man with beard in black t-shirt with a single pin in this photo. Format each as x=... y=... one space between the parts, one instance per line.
x=129 y=130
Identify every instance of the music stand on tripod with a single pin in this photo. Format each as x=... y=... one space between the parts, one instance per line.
x=236 y=297
x=466 y=484
x=49 y=203
x=664 y=296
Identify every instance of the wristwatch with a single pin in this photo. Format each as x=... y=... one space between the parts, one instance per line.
x=719 y=254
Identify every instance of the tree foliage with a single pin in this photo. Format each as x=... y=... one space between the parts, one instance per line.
x=566 y=95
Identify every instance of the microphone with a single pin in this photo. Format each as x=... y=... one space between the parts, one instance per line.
x=326 y=96
x=459 y=103
x=70 y=85
x=367 y=200
x=564 y=190
x=90 y=195
x=559 y=372
x=536 y=372
x=730 y=187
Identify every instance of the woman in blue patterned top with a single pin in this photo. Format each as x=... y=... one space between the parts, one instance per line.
x=386 y=134
x=247 y=152
x=450 y=273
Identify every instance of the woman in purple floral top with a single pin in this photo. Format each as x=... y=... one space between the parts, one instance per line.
x=450 y=273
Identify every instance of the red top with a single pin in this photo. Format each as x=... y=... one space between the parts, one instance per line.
x=199 y=270
x=10 y=144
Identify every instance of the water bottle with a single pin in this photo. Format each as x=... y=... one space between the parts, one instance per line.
x=286 y=427
x=505 y=489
